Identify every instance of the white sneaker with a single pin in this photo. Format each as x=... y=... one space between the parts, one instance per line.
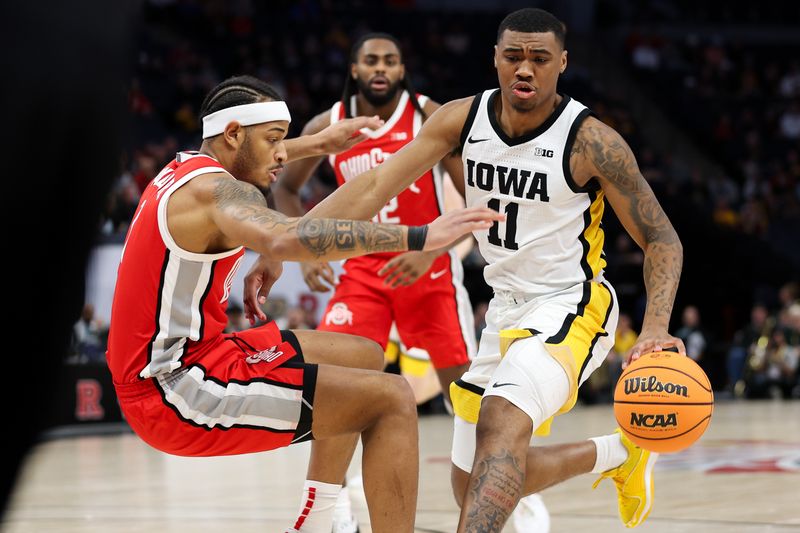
x=531 y=516
x=345 y=524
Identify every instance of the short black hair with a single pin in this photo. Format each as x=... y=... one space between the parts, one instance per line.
x=370 y=36
x=351 y=88
x=238 y=90
x=533 y=20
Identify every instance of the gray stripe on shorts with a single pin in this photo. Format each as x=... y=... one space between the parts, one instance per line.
x=233 y=406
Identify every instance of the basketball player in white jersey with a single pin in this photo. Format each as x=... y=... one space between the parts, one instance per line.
x=379 y=290
x=539 y=157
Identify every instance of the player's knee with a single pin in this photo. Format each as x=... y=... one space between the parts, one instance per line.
x=400 y=397
x=369 y=353
x=501 y=421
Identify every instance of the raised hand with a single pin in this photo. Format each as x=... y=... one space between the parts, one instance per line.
x=346 y=133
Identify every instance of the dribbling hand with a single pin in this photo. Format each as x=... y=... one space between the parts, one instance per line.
x=652 y=341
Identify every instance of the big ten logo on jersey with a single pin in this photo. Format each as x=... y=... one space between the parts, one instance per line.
x=360 y=163
x=163 y=179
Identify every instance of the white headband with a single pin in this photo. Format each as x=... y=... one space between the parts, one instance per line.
x=246 y=115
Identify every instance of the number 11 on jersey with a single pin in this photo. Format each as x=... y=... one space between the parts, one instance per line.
x=510 y=240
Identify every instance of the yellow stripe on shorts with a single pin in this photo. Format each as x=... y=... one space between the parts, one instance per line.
x=466 y=400
x=572 y=345
x=413 y=366
x=392 y=352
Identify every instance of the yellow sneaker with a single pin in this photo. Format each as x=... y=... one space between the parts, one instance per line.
x=634 y=481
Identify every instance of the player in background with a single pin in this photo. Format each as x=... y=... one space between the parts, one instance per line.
x=377 y=289
x=422 y=293
x=540 y=158
x=188 y=389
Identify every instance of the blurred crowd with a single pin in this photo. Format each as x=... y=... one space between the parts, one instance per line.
x=740 y=104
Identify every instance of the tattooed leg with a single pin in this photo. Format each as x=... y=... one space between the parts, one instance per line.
x=545 y=466
x=495 y=490
x=498 y=475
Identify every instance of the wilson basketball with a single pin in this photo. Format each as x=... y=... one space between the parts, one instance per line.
x=663 y=402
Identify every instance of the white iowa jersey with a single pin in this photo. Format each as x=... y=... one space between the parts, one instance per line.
x=552 y=237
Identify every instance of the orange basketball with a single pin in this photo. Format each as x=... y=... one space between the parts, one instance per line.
x=663 y=402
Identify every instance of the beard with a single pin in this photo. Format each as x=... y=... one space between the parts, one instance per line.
x=377 y=99
x=242 y=166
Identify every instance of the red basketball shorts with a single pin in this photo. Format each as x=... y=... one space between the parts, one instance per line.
x=434 y=313
x=248 y=392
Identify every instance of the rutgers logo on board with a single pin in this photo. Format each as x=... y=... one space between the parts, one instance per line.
x=339 y=315
x=88 y=393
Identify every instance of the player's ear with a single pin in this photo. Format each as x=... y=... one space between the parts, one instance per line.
x=563 y=61
x=233 y=134
x=353 y=73
x=495 y=56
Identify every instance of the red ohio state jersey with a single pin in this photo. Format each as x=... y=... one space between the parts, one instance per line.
x=421 y=202
x=169 y=303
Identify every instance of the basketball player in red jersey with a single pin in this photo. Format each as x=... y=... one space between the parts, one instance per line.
x=387 y=287
x=188 y=389
x=377 y=289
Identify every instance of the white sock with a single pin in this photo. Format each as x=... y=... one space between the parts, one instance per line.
x=610 y=453
x=316 y=507
x=343 y=508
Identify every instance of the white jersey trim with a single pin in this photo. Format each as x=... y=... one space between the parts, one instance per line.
x=389 y=124
x=163 y=227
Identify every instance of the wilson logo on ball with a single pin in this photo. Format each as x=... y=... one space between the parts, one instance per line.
x=651 y=384
x=652 y=421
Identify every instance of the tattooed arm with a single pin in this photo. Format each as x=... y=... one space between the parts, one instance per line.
x=239 y=210
x=241 y=213
x=601 y=152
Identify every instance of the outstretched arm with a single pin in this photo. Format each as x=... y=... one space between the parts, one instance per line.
x=611 y=160
x=334 y=139
x=240 y=212
x=362 y=197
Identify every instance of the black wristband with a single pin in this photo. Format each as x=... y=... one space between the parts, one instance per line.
x=416 y=237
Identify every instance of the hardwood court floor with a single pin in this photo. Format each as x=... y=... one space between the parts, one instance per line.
x=742 y=477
